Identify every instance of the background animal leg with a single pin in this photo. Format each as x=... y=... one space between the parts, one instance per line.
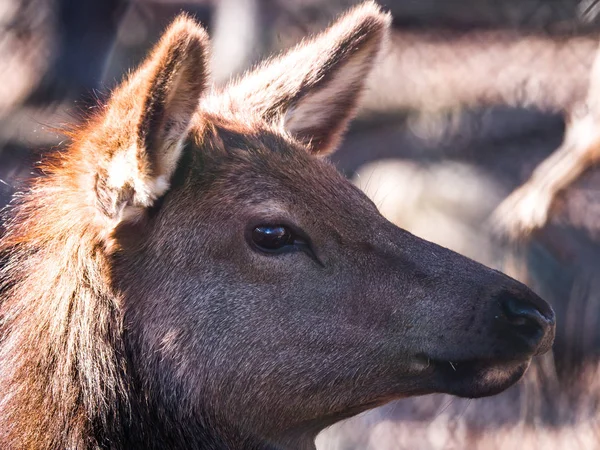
x=528 y=207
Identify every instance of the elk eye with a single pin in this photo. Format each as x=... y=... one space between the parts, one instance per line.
x=272 y=237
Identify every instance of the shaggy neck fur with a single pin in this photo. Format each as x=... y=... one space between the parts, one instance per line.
x=62 y=376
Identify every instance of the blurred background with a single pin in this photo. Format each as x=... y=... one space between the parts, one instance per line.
x=471 y=97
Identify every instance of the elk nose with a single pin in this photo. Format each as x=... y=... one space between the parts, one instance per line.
x=530 y=320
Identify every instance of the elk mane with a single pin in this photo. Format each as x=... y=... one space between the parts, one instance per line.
x=63 y=358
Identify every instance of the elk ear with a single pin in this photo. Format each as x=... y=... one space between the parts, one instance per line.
x=147 y=120
x=313 y=89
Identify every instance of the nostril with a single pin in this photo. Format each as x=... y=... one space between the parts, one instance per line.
x=524 y=315
x=525 y=320
x=519 y=312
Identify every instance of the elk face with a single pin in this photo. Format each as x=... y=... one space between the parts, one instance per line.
x=264 y=294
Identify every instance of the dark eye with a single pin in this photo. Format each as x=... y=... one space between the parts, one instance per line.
x=272 y=237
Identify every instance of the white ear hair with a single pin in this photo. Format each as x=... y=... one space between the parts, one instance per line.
x=147 y=120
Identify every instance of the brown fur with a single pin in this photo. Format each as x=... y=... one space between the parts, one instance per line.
x=137 y=313
x=63 y=356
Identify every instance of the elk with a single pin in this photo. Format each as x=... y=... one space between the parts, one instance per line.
x=190 y=272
